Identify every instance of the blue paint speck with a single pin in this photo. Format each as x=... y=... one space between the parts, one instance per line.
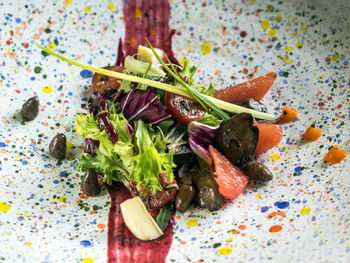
x=86 y=74
x=64 y=173
x=55 y=181
x=85 y=243
x=2 y=144
x=264 y=209
x=18 y=20
x=20 y=218
x=282 y=205
x=24 y=162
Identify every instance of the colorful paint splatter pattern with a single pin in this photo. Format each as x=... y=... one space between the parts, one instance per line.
x=300 y=216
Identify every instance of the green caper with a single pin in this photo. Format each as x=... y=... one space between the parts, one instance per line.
x=184 y=197
x=89 y=183
x=257 y=171
x=58 y=146
x=30 y=109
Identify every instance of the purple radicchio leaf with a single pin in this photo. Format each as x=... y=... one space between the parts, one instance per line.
x=141 y=104
x=200 y=137
x=90 y=146
x=104 y=123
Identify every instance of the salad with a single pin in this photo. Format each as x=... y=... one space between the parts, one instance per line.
x=171 y=148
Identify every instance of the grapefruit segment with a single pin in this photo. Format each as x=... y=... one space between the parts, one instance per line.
x=270 y=135
x=230 y=179
x=252 y=89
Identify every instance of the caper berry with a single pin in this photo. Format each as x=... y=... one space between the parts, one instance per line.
x=89 y=183
x=257 y=171
x=30 y=109
x=184 y=197
x=58 y=146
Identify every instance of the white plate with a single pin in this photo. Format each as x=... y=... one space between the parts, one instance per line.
x=42 y=216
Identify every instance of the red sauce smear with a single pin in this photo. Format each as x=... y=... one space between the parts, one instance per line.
x=143 y=19
x=146 y=19
x=123 y=246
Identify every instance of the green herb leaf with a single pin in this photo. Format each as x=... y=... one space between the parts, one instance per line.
x=164 y=216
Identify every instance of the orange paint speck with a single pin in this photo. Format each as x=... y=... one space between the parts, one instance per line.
x=131 y=41
x=136 y=12
x=274 y=214
x=36 y=36
x=236 y=232
x=242 y=227
x=275 y=228
x=101 y=226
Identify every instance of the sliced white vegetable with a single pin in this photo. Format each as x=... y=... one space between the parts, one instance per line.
x=145 y=54
x=138 y=220
x=139 y=67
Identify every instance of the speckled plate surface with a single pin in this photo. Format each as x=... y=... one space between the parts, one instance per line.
x=303 y=215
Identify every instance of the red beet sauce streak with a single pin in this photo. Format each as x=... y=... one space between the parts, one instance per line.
x=143 y=19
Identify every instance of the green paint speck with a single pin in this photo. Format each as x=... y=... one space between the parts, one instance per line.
x=37 y=70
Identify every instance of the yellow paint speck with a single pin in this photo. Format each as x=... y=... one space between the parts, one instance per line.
x=278 y=18
x=67 y=3
x=47 y=89
x=253 y=1
x=206 y=48
x=69 y=145
x=275 y=157
x=183 y=61
x=299 y=45
x=230 y=239
x=305 y=211
x=265 y=24
x=272 y=32
x=62 y=199
x=71 y=71
x=303 y=29
x=322 y=76
x=225 y=251
x=29 y=243
x=285 y=58
x=335 y=57
x=288 y=48
x=111 y=5
x=4 y=207
x=192 y=222
x=258 y=196
x=88 y=260
x=51 y=46
x=87 y=8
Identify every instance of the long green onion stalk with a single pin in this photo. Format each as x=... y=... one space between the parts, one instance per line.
x=215 y=104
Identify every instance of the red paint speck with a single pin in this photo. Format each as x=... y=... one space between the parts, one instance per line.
x=25 y=45
x=236 y=28
x=8 y=42
x=243 y=34
x=18 y=91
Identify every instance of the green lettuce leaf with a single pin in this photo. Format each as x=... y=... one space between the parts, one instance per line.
x=188 y=72
x=211 y=120
x=148 y=161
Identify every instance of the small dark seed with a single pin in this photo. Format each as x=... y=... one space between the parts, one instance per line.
x=30 y=109
x=58 y=146
x=89 y=183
